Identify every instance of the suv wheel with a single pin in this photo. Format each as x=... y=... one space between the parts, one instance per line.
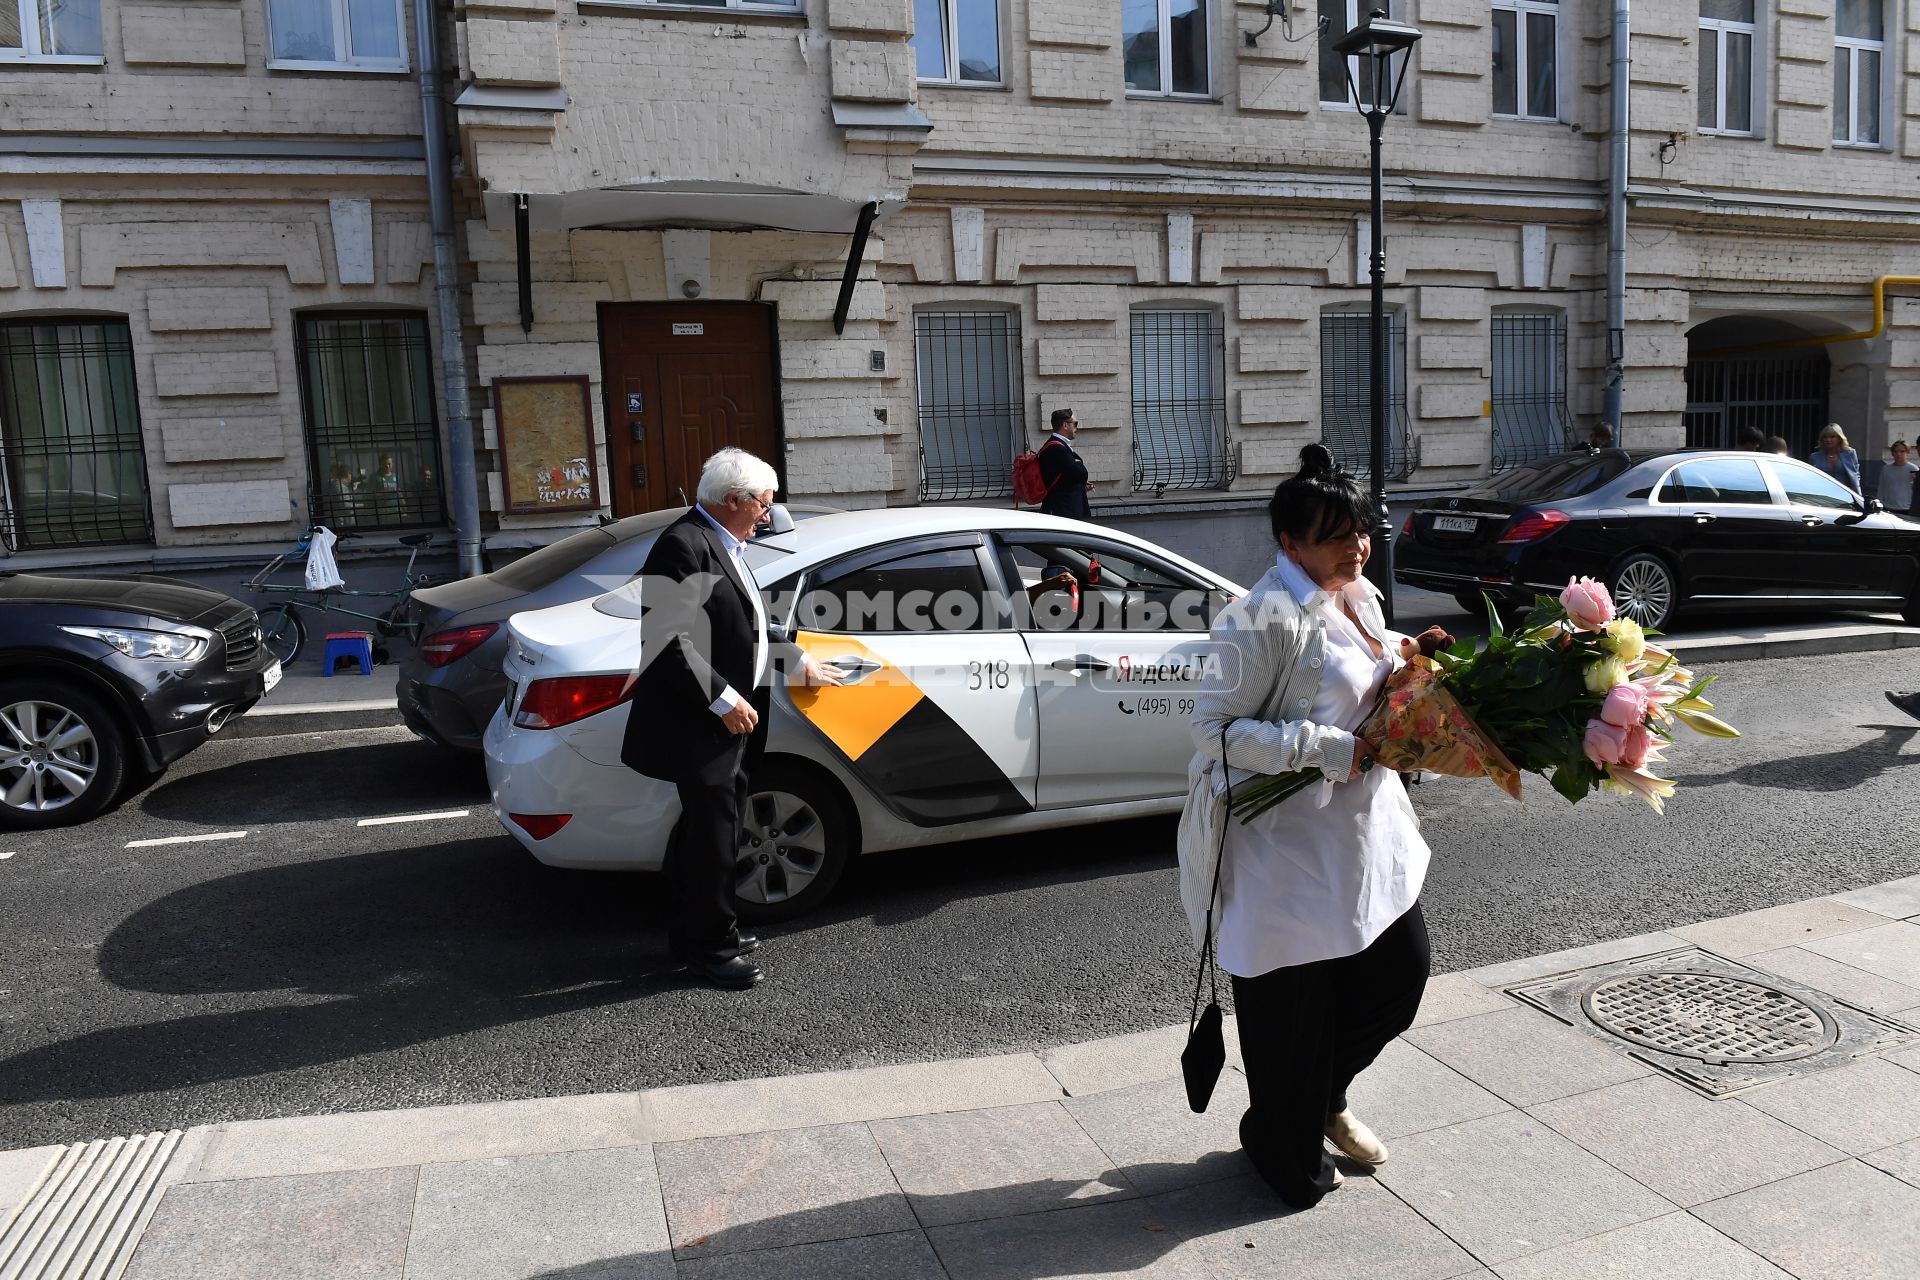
x=63 y=756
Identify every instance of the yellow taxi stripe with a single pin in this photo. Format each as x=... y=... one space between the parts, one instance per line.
x=854 y=716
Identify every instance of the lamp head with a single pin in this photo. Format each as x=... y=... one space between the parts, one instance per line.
x=1377 y=36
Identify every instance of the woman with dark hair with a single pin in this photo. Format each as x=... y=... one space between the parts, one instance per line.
x=1318 y=912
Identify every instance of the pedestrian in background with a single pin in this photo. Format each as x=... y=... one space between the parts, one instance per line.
x=1752 y=439
x=1834 y=457
x=1778 y=444
x=1601 y=437
x=705 y=660
x=1064 y=471
x=1319 y=912
x=1896 y=479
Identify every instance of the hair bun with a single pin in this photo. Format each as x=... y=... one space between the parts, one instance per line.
x=1315 y=460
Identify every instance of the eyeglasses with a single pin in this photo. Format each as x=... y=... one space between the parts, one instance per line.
x=757 y=501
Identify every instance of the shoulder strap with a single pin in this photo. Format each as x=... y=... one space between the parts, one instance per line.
x=1208 y=972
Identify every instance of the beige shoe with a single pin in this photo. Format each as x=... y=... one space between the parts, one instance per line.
x=1339 y=1180
x=1351 y=1135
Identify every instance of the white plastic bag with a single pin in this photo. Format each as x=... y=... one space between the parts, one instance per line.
x=322 y=573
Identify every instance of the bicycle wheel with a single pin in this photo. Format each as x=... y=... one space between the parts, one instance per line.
x=283 y=633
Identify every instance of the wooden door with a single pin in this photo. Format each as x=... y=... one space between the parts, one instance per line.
x=683 y=380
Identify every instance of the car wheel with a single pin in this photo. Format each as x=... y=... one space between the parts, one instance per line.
x=283 y=633
x=63 y=756
x=1644 y=589
x=794 y=843
x=1472 y=601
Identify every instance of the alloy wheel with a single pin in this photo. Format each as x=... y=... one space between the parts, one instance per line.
x=48 y=756
x=1644 y=591
x=783 y=846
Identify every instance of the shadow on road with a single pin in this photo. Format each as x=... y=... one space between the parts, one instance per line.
x=1841 y=770
x=364 y=780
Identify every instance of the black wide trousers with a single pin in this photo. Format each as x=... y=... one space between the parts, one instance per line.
x=701 y=855
x=1305 y=1032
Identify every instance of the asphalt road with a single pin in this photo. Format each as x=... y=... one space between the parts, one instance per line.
x=317 y=965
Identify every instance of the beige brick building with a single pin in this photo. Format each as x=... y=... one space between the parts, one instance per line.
x=1153 y=212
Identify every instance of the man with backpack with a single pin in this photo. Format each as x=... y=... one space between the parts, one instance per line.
x=1062 y=472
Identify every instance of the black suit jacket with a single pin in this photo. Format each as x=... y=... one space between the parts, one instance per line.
x=697 y=638
x=1066 y=477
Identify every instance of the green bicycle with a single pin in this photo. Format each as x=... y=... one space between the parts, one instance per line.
x=284 y=632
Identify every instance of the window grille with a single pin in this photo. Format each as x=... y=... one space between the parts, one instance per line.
x=1346 y=378
x=1179 y=401
x=1778 y=395
x=1530 y=419
x=373 y=445
x=970 y=402
x=72 y=470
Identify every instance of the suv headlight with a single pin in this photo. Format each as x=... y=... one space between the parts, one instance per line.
x=171 y=646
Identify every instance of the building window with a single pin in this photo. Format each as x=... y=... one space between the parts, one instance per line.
x=1529 y=386
x=1166 y=49
x=970 y=402
x=957 y=41
x=1726 y=66
x=1859 y=49
x=1179 y=401
x=1346 y=381
x=373 y=445
x=72 y=472
x=1526 y=56
x=359 y=35
x=50 y=30
x=1337 y=17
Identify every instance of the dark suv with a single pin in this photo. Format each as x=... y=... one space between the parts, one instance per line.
x=104 y=682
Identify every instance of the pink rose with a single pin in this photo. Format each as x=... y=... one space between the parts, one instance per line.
x=1587 y=603
x=1605 y=743
x=1638 y=743
x=1626 y=705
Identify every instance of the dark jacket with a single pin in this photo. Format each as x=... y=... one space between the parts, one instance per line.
x=697 y=638
x=1066 y=477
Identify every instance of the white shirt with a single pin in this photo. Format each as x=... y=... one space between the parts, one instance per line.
x=737 y=553
x=1324 y=873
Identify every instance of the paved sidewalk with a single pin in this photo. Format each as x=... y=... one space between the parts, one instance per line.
x=1522 y=1147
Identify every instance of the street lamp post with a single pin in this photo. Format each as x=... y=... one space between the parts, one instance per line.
x=1372 y=45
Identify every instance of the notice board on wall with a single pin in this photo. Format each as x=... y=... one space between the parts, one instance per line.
x=545 y=427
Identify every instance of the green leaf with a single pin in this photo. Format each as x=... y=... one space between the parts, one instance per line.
x=1494 y=628
x=1575 y=781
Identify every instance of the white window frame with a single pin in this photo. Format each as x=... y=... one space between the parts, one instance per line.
x=342 y=35
x=1165 y=21
x=1394 y=10
x=786 y=8
x=1717 y=30
x=1851 y=47
x=1520 y=9
x=950 y=45
x=28 y=12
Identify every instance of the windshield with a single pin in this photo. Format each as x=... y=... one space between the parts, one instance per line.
x=1566 y=475
x=550 y=563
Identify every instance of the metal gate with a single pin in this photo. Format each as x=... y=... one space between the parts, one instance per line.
x=1783 y=394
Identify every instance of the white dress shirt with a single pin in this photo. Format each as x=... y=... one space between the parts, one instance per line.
x=737 y=554
x=1323 y=873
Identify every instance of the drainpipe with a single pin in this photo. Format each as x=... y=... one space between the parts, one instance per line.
x=1617 y=224
x=446 y=288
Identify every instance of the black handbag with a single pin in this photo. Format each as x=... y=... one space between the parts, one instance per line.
x=1206 y=1053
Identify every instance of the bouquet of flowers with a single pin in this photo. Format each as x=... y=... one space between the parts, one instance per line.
x=1576 y=694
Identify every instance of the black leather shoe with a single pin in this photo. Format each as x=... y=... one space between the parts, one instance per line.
x=1907 y=702
x=745 y=945
x=736 y=973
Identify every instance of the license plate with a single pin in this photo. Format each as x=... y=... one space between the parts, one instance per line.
x=272 y=679
x=1455 y=524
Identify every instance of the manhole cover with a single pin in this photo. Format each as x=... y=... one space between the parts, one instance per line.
x=1710 y=1022
x=1710 y=1018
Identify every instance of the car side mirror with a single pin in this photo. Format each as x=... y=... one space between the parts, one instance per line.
x=1875 y=506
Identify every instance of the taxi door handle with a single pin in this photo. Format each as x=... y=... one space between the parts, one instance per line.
x=856 y=669
x=1704 y=517
x=1814 y=521
x=1081 y=663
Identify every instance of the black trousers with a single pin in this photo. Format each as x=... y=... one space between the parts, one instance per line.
x=1305 y=1032
x=700 y=859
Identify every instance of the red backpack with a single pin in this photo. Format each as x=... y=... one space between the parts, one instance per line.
x=1029 y=484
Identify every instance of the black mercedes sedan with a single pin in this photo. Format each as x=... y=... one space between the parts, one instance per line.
x=104 y=682
x=1671 y=531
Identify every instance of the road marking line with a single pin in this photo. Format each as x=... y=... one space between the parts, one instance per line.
x=413 y=817
x=5 y=856
x=215 y=835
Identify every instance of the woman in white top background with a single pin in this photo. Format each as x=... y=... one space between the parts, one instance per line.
x=1320 y=925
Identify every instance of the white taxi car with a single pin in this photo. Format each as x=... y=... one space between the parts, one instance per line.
x=1008 y=671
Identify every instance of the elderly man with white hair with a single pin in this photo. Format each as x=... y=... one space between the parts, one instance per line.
x=699 y=698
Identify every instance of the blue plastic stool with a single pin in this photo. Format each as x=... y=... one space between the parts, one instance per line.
x=357 y=645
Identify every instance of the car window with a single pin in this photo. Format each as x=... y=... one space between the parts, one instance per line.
x=1809 y=488
x=1718 y=480
x=940 y=590
x=1566 y=475
x=1067 y=585
x=552 y=562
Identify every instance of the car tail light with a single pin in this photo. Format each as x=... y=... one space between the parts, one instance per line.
x=549 y=704
x=443 y=647
x=1406 y=530
x=1535 y=525
x=540 y=825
